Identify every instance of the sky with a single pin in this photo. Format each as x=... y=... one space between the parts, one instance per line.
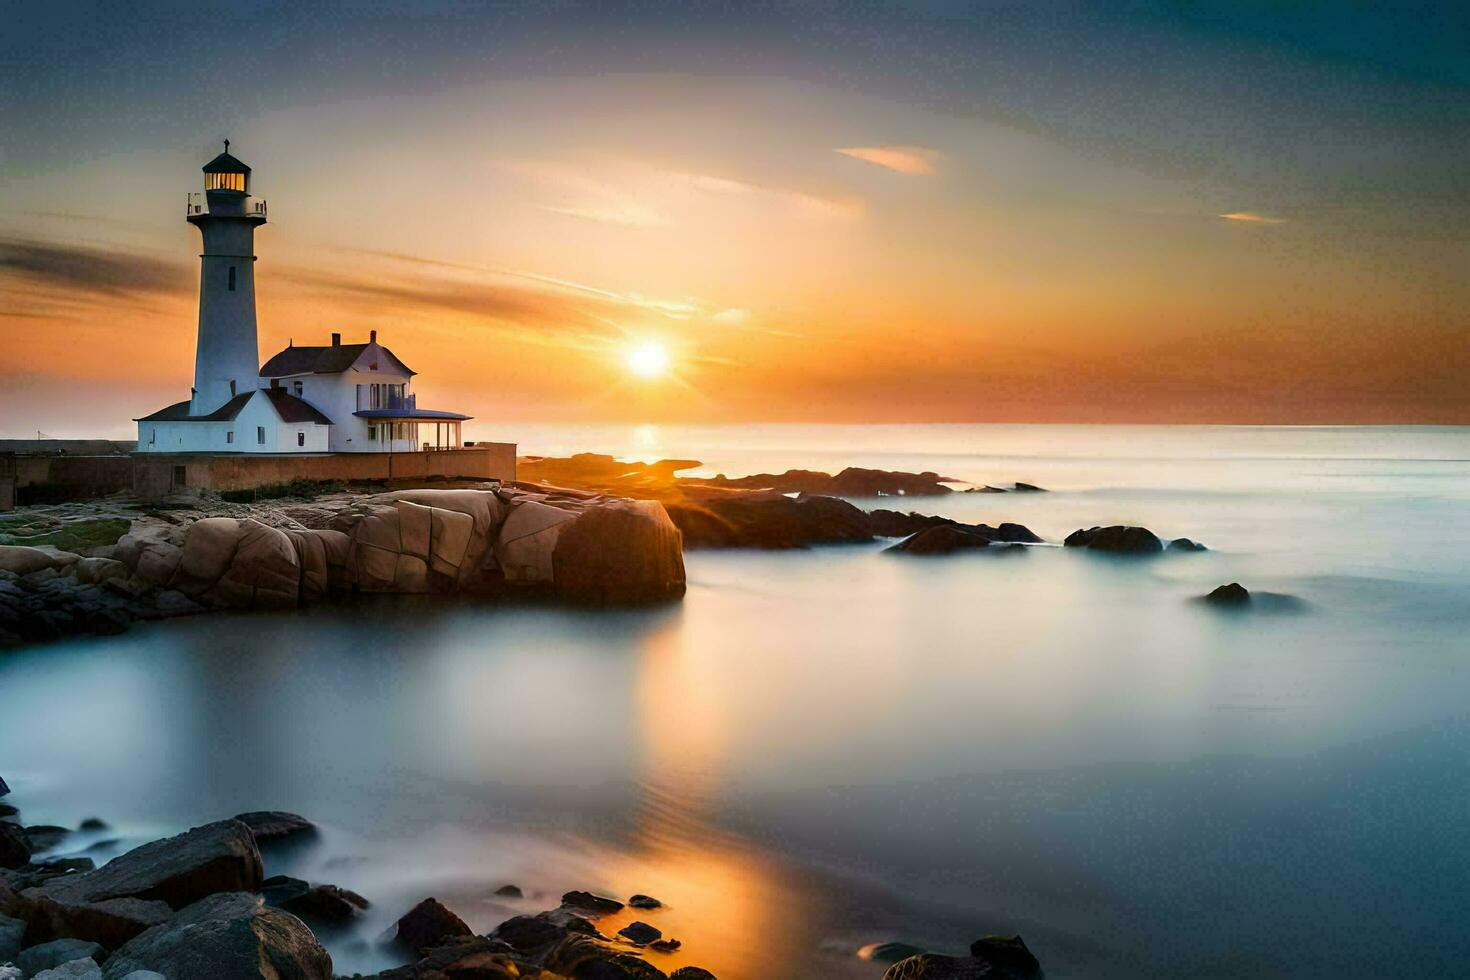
x=819 y=212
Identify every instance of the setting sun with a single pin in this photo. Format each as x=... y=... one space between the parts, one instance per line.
x=648 y=360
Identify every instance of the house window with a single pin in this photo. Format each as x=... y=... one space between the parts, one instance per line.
x=230 y=436
x=180 y=477
x=260 y=435
x=232 y=279
x=372 y=433
x=152 y=437
x=301 y=438
x=298 y=388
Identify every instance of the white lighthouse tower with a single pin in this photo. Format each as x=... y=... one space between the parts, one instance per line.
x=227 y=359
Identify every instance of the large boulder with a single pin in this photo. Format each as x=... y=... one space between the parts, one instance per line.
x=623 y=551
x=229 y=936
x=85 y=968
x=141 y=888
x=991 y=958
x=526 y=545
x=769 y=520
x=12 y=937
x=587 y=957
x=1117 y=539
x=23 y=560
x=274 y=825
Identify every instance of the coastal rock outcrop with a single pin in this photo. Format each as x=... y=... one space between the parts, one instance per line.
x=946 y=539
x=1233 y=595
x=427 y=924
x=229 y=936
x=143 y=887
x=1117 y=539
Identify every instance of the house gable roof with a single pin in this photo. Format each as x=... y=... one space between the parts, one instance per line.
x=287 y=407
x=323 y=360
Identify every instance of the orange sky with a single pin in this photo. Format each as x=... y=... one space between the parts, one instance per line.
x=804 y=251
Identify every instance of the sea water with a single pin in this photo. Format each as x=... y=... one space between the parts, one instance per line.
x=823 y=749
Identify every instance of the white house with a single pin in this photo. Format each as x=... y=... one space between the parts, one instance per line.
x=340 y=398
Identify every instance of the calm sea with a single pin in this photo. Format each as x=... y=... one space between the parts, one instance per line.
x=825 y=749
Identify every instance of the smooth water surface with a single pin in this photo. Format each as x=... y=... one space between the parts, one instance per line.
x=823 y=749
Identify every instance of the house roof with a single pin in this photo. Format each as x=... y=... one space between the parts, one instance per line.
x=287 y=406
x=411 y=414
x=179 y=411
x=320 y=360
x=225 y=164
x=293 y=409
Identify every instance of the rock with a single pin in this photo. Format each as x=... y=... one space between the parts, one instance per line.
x=8 y=972
x=509 y=891
x=15 y=846
x=140 y=889
x=144 y=975
x=95 y=571
x=12 y=935
x=273 y=825
x=665 y=945
x=1184 y=544
x=22 y=560
x=92 y=823
x=6 y=810
x=1008 y=956
x=228 y=936
x=282 y=888
x=645 y=902
x=427 y=924
x=1028 y=488
x=1233 y=594
x=531 y=934
x=4 y=788
x=625 y=551
x=946 y=539
x=588 y=902
x=82 y=969
x=47 y=955
x=640 y=933
x=466 y=958
x=991 y=958
x=691 y=973
x=326 y=904
x=43 y=837
x=591 y=958
x=770 y=521
x=1116 y=539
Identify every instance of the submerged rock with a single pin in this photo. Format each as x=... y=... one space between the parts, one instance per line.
x=509 y=891
x=946 y=539
x=427 y=924
x=1029 y=488
x=640 y=933
x=644 y=902
x=1117 y=539
x=1185 y=544
x=991 y=958
x=588 y=902
x=230 y=936
x=889 y=952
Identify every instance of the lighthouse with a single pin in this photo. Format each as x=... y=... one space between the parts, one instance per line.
x=227 y=358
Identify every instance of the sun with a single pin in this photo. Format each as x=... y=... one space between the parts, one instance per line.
x=648 y=360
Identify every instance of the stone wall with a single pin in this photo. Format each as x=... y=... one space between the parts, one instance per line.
x=50 y=479
x=157 y=475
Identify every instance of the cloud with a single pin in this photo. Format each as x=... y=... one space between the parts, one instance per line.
x=822 y=205
x=915 y=161
x=1250 y=217
x=111 y=271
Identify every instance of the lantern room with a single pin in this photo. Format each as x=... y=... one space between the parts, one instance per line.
x=225 y=173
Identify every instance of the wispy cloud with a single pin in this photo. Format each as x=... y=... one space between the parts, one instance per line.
x=822 y=205
x=1251 y=217
x=915 y=161
x=113 y=271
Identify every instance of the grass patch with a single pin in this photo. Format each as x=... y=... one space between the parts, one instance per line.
x=71 y=536
x=300 y=488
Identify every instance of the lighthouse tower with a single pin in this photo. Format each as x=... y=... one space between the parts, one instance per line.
x=227 y=359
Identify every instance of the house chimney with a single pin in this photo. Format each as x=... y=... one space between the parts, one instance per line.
x=373 y=336
x=336 y=340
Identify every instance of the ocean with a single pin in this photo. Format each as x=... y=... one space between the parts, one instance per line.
x=820 y=750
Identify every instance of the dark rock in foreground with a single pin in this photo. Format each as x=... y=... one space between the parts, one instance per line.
x=326 y=904
x=1233 y=594
x=230 y=936
x=142 y=888
x=1117 y=539
x=946 y=539
x=45 y=956
x=428 y=924
x=15 y=846
x=645 y=902
x=272 y=825
x=991 y=958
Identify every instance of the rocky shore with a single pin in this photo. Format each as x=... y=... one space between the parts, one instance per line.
x=199 y=905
